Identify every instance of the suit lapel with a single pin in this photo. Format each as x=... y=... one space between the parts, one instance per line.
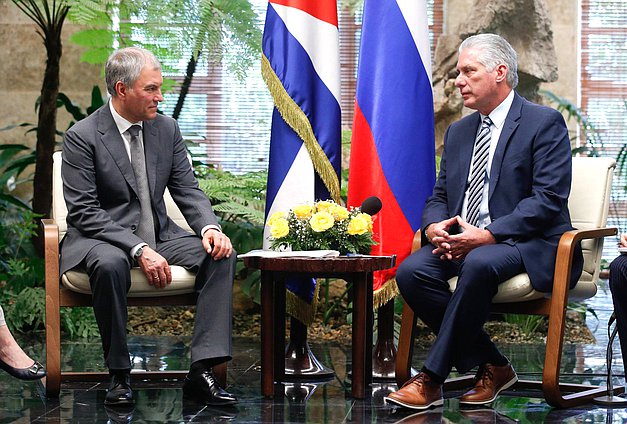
x=509 y=126
x=114 y=143
x=151 y=149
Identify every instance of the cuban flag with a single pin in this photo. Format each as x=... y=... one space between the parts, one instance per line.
x=393 y=141
x=300 y=65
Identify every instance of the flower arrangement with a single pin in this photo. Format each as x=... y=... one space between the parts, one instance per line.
x=323 y=225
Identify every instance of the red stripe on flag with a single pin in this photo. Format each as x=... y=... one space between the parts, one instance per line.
x=365 y=179
x=325 y=10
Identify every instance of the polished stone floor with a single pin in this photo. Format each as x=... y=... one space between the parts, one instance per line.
x=328 y=402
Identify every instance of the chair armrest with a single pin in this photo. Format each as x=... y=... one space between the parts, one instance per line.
x=565 y=252
x=416 y=243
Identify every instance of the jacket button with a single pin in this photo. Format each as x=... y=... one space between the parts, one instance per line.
x=133 y=227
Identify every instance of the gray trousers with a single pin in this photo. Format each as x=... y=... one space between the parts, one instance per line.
x=109 y=267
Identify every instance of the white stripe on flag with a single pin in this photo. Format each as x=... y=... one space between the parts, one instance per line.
x=297 y=188
x=415 y=14
x=320 y=41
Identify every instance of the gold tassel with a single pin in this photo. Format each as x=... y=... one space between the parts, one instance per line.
x=301 y=310
x=298 y=121
x=387 y=292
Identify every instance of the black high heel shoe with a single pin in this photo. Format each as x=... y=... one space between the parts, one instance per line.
x=34 y=372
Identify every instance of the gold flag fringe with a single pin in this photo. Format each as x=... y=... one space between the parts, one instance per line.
x=387 y=292
x=298 y=121
x=301 y=310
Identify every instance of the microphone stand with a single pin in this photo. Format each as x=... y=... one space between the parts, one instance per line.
x=610 y=400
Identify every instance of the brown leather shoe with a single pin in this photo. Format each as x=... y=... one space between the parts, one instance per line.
x=418 y=393
x=489 y=382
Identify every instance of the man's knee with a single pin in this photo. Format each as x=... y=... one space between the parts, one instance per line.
x=109 y=264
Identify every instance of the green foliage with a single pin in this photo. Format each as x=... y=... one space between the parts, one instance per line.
x=235 y=198
x=528 y=324
x=225 y=31
x=590 y=138
x=14 y=160
x=239 y=202
x=26 y=310
x=79 y=322
x=20 y=267
x=73 y=109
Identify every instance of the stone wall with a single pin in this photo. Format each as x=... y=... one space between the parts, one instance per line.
x=22 y=69
x=547 y=49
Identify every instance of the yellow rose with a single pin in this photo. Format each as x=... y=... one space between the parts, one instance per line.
x=357 y=225
x=325 y=206
x=275 y=216
x=368 y=219
x=279 y=228
x=321 y=221
x=340 y=213
x=302 y=211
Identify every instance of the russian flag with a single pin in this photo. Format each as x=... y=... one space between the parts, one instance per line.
x=393 y=141
x=300 y=65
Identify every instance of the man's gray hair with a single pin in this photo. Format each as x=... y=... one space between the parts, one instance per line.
x=126 y=64
x=494 y=50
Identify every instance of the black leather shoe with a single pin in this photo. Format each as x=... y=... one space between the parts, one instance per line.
x=203 y=388
x=120 y=392
x=34 y=372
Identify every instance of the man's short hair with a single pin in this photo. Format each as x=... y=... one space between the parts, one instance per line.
x=126 y=64
x=494 y=50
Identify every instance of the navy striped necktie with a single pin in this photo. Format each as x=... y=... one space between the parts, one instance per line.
x=478 y=171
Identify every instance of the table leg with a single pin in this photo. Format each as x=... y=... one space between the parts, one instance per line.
x=279 y=329
x=362 y=334
x=268 y=333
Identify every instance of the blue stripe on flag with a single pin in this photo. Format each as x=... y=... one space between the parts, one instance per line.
x=284 y=146
x=292 y=65
x=397 y=106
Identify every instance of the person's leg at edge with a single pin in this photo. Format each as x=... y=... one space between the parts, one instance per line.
x=13 y=359
x=618 y=287
x=211 y=340
x=108 y=268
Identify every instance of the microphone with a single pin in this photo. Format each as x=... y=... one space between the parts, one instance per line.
x=372 y=205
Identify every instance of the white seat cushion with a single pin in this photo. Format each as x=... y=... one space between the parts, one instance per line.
x=182 y=283
x=519 y=289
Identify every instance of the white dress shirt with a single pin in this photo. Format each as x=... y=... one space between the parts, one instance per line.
x=497 y=116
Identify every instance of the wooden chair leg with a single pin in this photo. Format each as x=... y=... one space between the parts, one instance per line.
x=53 y=315
x=405 y=348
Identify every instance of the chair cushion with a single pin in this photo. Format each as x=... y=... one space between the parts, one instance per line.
x=182 y=283
x=519 y=289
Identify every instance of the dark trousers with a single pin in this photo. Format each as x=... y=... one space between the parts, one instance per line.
x=109 y=267
x=457 y=318
x=618 y=287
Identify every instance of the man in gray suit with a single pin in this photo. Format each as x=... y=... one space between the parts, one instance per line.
x=117 y=164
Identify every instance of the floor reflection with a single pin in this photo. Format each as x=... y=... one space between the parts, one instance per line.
x=294 y=402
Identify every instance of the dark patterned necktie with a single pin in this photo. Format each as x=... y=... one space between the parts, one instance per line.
x=478 y=171
x=146 y=228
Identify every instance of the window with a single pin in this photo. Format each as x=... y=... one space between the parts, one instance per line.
x=230 y=119
x=604 y=91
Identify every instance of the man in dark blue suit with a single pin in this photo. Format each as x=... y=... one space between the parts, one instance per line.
x=498 y=209
x=618 y=287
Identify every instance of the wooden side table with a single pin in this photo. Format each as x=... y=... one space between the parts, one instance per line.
x=357 y=270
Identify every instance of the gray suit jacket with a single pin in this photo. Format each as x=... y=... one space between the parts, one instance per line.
x=101 y=193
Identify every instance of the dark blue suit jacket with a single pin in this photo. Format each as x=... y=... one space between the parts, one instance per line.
x=530 y=181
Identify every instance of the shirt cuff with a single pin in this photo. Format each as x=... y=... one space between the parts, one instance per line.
x=136 y=248
x=209 y=227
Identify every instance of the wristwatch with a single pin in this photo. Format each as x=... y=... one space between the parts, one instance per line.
x=138 y=253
